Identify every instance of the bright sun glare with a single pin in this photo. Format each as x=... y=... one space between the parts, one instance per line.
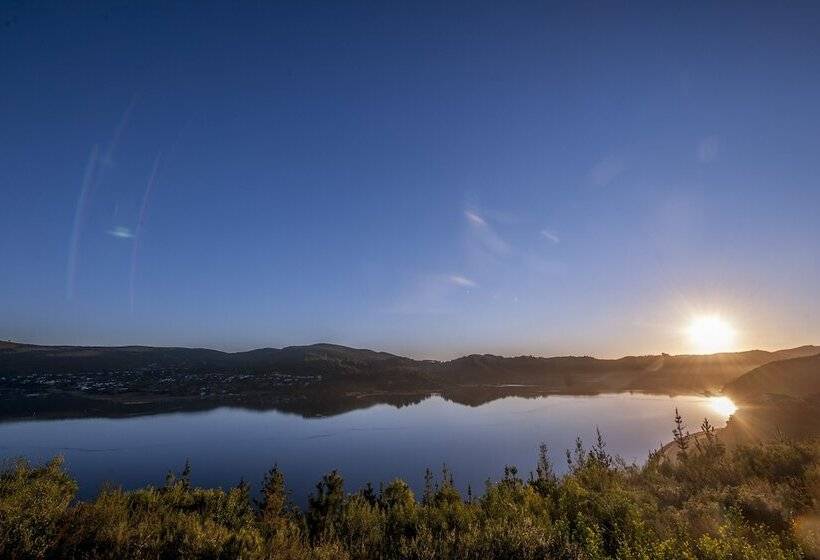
x=709 y=334
x=723 y=405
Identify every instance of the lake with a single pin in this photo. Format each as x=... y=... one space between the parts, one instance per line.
x=374 y=444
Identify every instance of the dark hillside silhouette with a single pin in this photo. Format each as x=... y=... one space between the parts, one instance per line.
x=796 y=378
x=322 y=379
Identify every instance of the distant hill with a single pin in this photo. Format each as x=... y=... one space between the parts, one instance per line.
x=659 y=373
x=631 y=372
x=795 y=377
x=319 y=379
x=776 y=399
x=19 y=359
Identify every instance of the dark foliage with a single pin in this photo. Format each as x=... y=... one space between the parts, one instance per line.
x=694 y=500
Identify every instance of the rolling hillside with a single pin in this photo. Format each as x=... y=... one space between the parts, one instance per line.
x=795 y=378
x=320 y=379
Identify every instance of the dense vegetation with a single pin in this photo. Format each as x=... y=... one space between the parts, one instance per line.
x=699 y=501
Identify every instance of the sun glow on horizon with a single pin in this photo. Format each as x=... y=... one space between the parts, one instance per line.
x=709 y=334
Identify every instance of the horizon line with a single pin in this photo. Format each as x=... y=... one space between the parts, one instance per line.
x=536 y=356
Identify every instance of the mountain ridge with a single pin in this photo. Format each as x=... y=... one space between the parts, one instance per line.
x=321 y=379
x=8 y=345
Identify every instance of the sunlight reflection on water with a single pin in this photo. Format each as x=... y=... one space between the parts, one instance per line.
x=723 y=405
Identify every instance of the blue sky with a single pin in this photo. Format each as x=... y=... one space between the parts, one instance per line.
x=427 y=179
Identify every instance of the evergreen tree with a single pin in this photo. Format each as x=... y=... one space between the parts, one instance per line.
x=326 y=505
x=274 y=504
x=680 y=434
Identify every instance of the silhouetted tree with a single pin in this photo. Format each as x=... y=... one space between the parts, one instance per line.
x=429 y=488
x=274 y=504
x=545 y=480
x=598 y=452
x=325 y=506
x=680 y=434
x=369 y=494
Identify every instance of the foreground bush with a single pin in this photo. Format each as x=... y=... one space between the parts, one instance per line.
x=755 y=502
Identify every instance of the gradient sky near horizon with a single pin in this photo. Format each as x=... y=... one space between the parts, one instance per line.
x=431 y=179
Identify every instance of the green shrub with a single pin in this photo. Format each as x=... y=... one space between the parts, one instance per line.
x=708 y=503
x=33 y=502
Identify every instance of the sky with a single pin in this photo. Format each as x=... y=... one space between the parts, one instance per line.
x=431 y=179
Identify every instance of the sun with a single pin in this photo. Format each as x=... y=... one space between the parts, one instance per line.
x=709 y=334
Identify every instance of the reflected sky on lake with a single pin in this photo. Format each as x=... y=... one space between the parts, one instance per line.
x=374 y=444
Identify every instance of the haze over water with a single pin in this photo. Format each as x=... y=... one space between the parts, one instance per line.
x=374 y=444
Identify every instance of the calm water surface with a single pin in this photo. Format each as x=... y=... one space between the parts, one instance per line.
x=374 y=444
